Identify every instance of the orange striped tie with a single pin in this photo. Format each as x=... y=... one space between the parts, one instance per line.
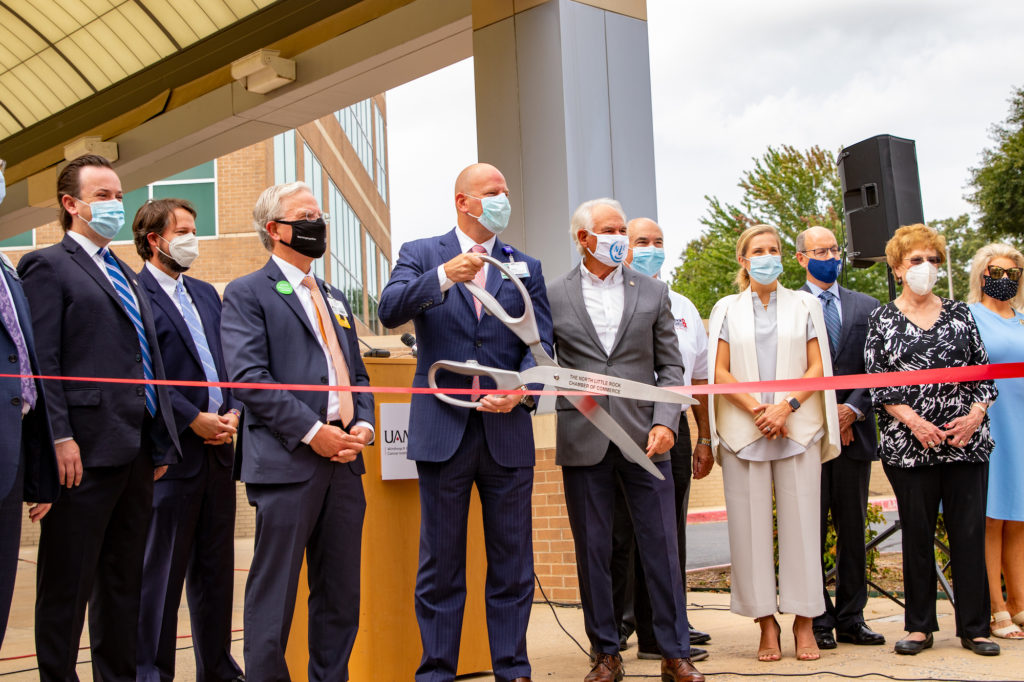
x=323 y=317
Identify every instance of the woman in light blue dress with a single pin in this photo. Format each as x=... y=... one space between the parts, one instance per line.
x=996 y=299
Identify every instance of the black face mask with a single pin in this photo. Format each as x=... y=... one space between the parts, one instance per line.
x=1002 y=289
x=309 y=237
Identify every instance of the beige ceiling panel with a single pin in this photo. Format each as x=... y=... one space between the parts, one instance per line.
x=197 y=19
x=150 y=32
x=72 y=87
x=12 y=50
x=98 y=7
x=8 y=126
x=36 y=14
x=79 y=50
x=21 y=40
x=67 y=16
x=219 y=12
x=172 y=21
x=241 y=8
x=46 y=85
x=131 y=48
x=108 y=51
x=19 y=97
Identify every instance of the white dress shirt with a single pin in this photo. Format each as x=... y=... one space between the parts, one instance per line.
x=693 y=339
x=604 y=299
x=834 y=290
x=465 y=244
x=170 y=286
x=295 y=277
x=93 y=250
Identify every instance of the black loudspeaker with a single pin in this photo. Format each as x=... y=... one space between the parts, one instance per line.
x=881 y=192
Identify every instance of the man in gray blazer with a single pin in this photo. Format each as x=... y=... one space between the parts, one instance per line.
x=611 y=319
x=844 y=480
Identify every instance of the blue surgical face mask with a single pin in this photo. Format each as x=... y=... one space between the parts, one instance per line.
x=107 y=217
x=826 y=271
x=494 y=212
x=765 y=269
x=3 y=187
x=648 y=259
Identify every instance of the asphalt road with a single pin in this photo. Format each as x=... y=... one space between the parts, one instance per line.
x=707 y=544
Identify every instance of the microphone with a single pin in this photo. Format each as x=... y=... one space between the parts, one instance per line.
x=374 y=352
x=409 y=340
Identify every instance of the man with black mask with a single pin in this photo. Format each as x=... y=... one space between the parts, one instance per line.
x=300 y=451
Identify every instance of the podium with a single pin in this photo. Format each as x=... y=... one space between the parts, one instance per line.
x=388 y=644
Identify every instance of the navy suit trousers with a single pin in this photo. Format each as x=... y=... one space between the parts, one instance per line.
x=10 y=544
x=589 y=498
x=505 y=498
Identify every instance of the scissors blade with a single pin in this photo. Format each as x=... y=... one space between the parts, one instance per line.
x=602 y=384
x=597 y=416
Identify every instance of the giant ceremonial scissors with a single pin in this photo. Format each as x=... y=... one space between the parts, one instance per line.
x=548 y=372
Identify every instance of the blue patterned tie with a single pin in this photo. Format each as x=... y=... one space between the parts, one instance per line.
x=9 y=316
x=195 y=328
x=124 y=292
x=832 y=322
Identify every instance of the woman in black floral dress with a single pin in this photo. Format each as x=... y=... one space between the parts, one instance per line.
x=935 y=439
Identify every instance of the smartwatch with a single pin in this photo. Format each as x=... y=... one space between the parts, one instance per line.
x=794 y=403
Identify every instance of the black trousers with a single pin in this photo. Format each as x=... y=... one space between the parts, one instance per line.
x=10 y=544
x=629 y=586
x=961 y=488
x=844 y=492
x=91 y=548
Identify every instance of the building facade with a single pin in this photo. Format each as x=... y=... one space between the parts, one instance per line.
x=343 y=157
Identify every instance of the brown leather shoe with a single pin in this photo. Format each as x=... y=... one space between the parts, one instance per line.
x=608 y=668
x=521 y=679
x=679 y=670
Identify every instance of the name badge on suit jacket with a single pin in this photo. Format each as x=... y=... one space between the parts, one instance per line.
x=338 y=308
x=518 y=268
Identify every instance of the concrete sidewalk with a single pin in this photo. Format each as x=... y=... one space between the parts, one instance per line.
x=556 y=658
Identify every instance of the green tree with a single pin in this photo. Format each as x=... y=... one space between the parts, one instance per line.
x=998 y=183
x=790 y=188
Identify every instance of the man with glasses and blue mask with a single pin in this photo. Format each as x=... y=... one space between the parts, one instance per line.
x=844 y=479
x=455 y=448
x=28 y=465
x=646 y=255
x=192 y=529
x=301 y=451
x=111 y=439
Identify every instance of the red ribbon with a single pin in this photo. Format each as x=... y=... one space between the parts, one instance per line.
x=1007 y=370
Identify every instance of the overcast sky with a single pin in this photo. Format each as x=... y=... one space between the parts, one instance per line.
x=731 y=78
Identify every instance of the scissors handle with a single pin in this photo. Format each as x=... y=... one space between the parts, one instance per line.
x=524 y=326
x=503 y=379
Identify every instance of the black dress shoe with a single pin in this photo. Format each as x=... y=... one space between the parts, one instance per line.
x=980 y=648
x=696 y=654
x=698 y=637
x=859 y=634
x=909 y=647
x=824 y=638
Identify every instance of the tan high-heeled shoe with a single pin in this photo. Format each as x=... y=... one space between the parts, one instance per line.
x=806 y=653
x=770 y=654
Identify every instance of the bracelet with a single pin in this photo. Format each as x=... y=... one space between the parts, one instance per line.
x=704 y=441
x=235 y=412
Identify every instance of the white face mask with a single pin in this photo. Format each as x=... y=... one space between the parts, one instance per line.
x=183 y=249
x=921 y=278
x=611 y=249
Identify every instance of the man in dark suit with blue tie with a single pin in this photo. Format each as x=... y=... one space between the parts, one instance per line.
x=192 y=530
x=301 y=450
x=453 y=447
x=844 y=480
x=112 y=439
x=28 y=465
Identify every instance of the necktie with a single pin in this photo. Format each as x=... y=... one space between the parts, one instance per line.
x=479 y=279
x=9 y=316
x=195 y=328
x=128 y=301
x=832 y=323
x=323 y=318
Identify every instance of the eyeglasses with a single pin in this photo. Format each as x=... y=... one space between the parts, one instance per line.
x=917 y=260
x=822 y=252
x=308 y=215
x=996 y=272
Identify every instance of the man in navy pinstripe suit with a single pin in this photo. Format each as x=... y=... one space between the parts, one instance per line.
x=454 y=447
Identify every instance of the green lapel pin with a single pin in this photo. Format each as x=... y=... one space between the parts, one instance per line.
x=283 y=287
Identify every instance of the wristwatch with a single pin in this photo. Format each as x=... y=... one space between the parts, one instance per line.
x=794 y=403
x=704 y=441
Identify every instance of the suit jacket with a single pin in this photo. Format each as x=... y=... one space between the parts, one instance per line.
x=268 y=339
x=181 y=362
x=645 y=349
x=447 y=328
x=29 y=436
x=83 y=330
x=849 y=359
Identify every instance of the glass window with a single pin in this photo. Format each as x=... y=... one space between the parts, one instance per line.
x=372 y=285
x=346 y=255
x=197 y=185
x=357 y=122
x=313 y=172
x=381 y=154
x=18 y=241
x=284 y=157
